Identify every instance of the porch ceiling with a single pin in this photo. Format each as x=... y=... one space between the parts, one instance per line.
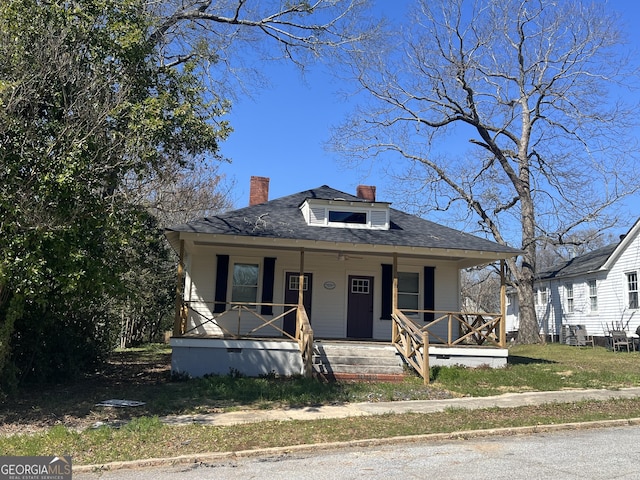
x=463 y=258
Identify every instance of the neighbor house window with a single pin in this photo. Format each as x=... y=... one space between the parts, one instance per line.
x=408 y=291
x=569 y=292
x=632 y=288
x=245 y=283
x=593 y=295
x=543 y=296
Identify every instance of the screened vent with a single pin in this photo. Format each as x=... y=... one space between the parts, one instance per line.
x=316 y=216
x=378 y=219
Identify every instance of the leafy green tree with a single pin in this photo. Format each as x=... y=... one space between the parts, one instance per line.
x=148 y=308
x=105 y=108
x=85 y=105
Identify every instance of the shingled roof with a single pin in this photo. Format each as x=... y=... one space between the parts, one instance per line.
x=581 y=264
x=282 y=219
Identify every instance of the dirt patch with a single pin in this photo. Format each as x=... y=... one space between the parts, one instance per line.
x=127 y=375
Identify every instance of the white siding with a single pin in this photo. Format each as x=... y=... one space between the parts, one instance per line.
x=199 y=292
x=316 y=216
x=329 y=305
x=512 y=319
x=612 y=297
x=447 y=295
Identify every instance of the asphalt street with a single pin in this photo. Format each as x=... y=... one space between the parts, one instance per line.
x=594 y=454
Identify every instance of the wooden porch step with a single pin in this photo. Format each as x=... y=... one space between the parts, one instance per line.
x=357 y=361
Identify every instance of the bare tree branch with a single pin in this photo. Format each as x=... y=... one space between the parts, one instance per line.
x=533 y=86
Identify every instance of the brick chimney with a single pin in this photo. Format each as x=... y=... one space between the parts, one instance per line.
x=366 y=192
x=259 y=190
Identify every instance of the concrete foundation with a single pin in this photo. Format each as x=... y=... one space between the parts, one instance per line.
x=197 y=357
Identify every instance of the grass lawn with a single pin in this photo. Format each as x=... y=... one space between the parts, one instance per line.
x=57 y=420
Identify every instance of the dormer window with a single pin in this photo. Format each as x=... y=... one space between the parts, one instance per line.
x=346 y=214
x=347 y=217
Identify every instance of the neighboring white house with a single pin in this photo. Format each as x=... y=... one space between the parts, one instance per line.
x=598 y=290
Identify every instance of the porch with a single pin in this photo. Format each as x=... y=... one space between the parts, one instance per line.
x=252 y=344
x=262 y=338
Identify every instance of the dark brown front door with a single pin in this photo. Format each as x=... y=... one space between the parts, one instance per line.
x=360 y=308
x=291 y=296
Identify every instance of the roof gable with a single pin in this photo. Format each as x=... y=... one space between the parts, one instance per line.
x=600 y=259
x=589 y=262
x=630 y=236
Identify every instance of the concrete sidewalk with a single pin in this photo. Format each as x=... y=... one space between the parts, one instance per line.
x=362 y=409
x=416 y=406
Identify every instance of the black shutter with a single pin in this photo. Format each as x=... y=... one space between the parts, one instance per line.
x=268 y=275
x=429 y=293
x=387 y=291
x=222 y=276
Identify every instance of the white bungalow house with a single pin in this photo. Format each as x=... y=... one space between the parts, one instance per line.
x=371 y=274
x=598 y=290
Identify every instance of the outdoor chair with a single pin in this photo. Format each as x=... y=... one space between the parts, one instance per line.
x=567 y=335
x=582 y=338
x=576 y=335
x=619 y=339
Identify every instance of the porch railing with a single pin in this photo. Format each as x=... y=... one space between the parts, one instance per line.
x=236 y=314
x=462 y=329
x=411 y=342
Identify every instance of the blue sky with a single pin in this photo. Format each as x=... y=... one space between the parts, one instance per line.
x=280 y=133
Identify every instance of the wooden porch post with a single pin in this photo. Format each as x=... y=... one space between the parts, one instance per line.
x=300 y=292
x=503 y=304
x=177 y=321
x=301 y=282
x=394 y=298
x=426 y=369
